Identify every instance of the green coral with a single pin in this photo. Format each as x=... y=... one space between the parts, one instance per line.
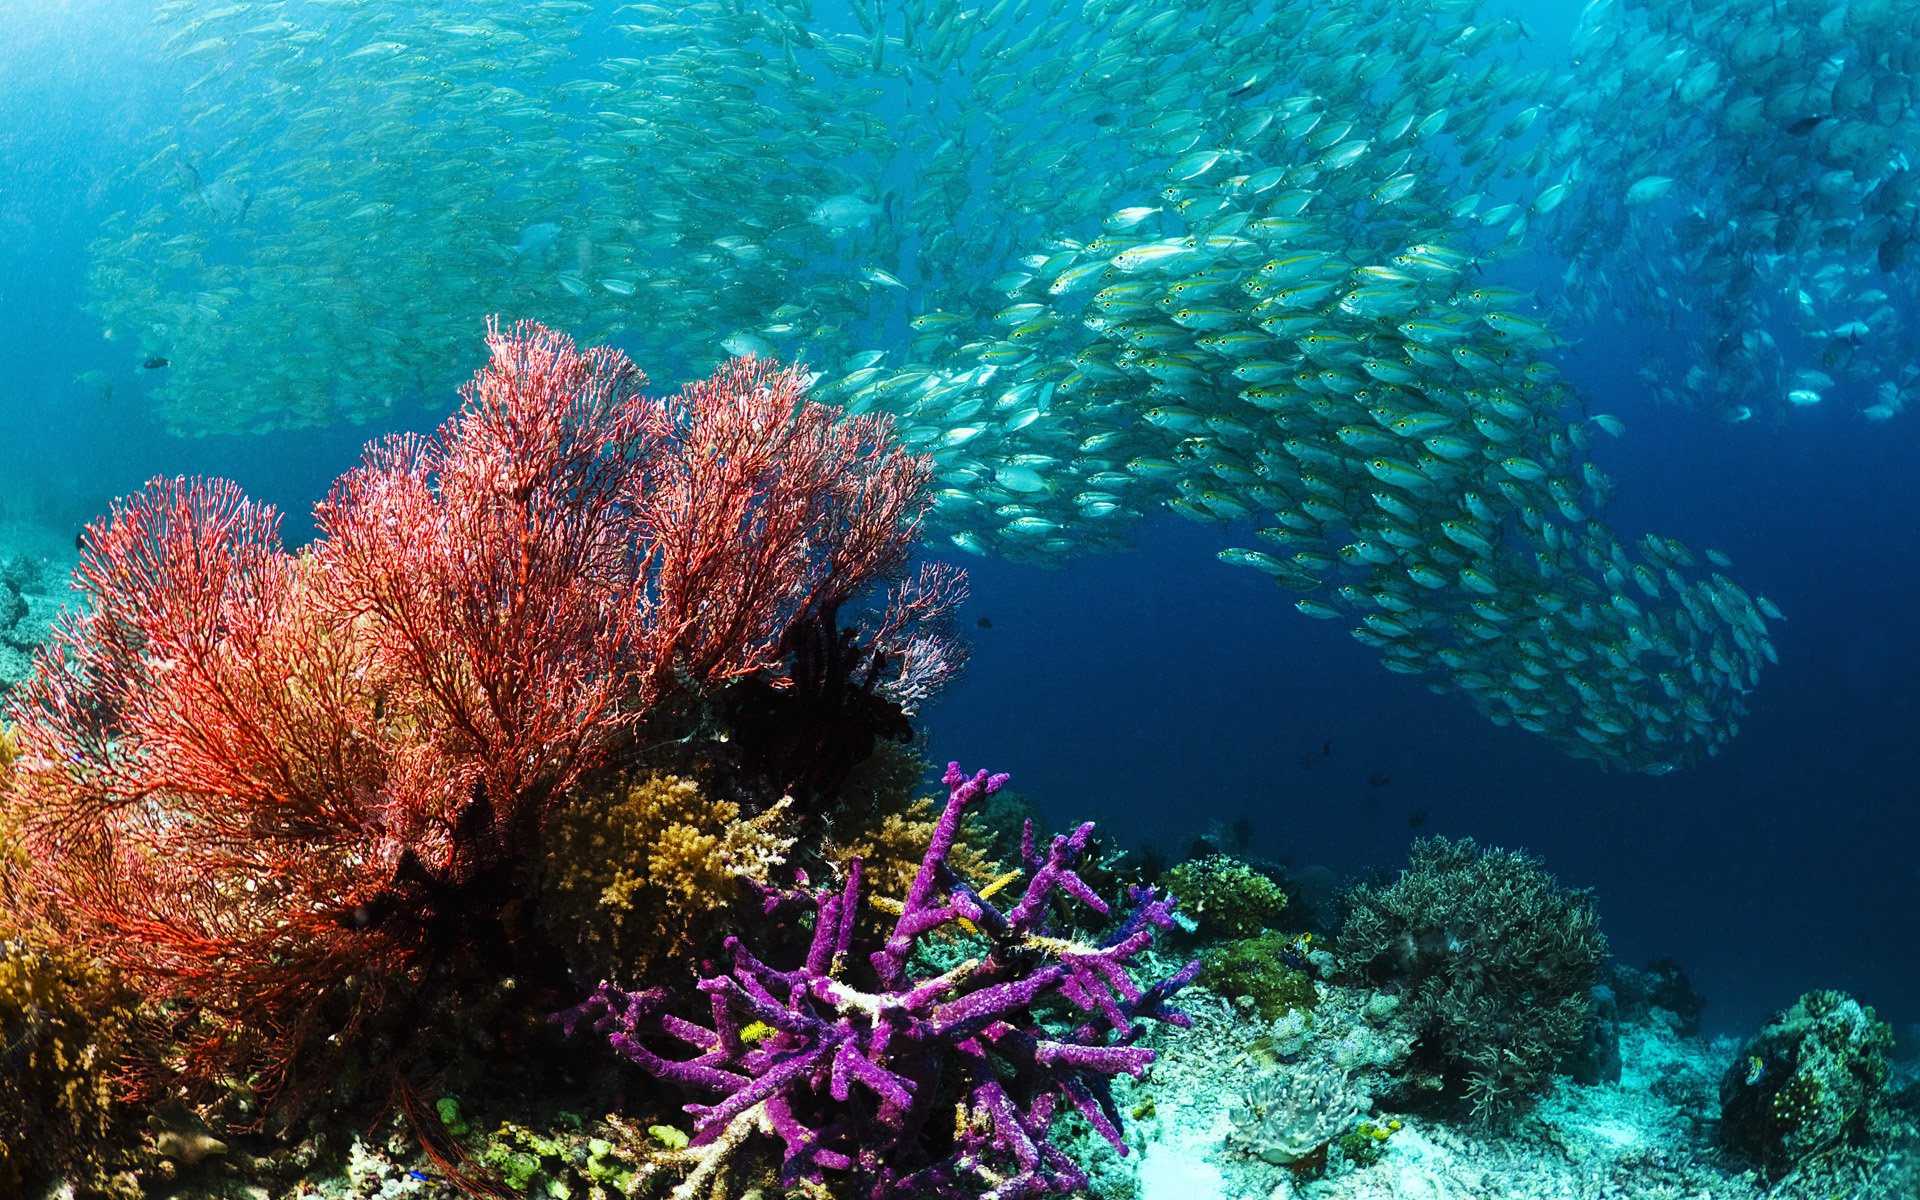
x=670 y=1136
x=1812 y=1082
x=561 y=1164
x=1226 y=897
x=1494 y=964
x=1257 y=967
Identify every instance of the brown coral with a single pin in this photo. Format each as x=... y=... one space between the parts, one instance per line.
x=62 y=1029
x=890 y=851
x=884 y=821
x=631 y=870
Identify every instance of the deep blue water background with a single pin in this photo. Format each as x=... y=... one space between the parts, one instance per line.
x=1159 y=690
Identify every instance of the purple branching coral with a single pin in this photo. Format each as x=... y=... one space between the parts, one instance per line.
x=859 y=1085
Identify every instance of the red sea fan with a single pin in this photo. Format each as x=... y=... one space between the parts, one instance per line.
x=774 y=514
x=197 y=757
x=279 y=792
x=497 y=579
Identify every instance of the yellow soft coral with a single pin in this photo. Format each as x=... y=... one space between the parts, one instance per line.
x=13 y=855
x=890 y=851
x=882 y=823
x=630 y=870
x=62 y=1027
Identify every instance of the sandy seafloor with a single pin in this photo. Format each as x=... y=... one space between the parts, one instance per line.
x=1648 y=1137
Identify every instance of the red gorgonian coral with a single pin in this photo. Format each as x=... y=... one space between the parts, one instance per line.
x=280 y=790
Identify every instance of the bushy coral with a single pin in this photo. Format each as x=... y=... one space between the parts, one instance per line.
x=1225 y=897
x=642 y=875
x=889 y=852
x=632 y=869
x=1258 y=968
x=1495 y=964
x=1812 y=1081
x=62 y=1027
x=880 y=1083
x=885 y=817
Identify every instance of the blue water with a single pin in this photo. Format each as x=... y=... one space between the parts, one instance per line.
x=1158 y=691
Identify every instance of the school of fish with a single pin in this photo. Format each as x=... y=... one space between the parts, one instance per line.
x=1238 y=259
x=1740 y=173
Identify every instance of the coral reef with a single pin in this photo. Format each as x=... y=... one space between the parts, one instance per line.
x=26 y=615
x=854 y=1080
x=1811 y=1082
x=1365 y=1143
x=1597 y=1058
x=554 y=1162
x=1648 y=1137
x=1225 y=897
x=1495 y=963
x=1661 y=985
x=292 y=799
